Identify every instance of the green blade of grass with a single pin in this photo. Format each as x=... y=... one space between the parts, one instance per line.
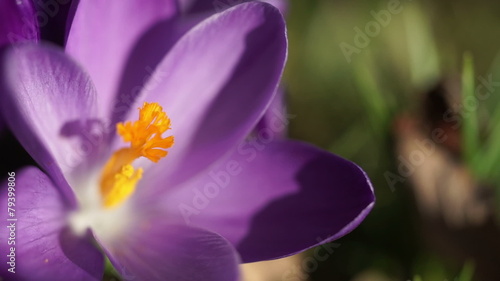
x=489 y=159
x=375 y=102
x=470 y=130
x=350 y=143
x=467 y=272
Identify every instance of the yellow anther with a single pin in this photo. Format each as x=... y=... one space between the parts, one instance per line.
x=119 y=178
x=145 y=133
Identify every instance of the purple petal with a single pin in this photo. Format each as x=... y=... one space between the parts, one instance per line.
x=50 y=106
x=17 y=22
x=104 y=33
x=282 y=5
x=274 y=123
x=155 y=251
x=44 y=248
x=53 y=17
x=143 y=59
x=216 y=83
x=276 y=199
x=204 y=6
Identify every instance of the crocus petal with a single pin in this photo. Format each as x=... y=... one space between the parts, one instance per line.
x=149 y=51
x=203 y=6
x=103 y=34
x=51 y=108
x=276 y=199
x=44 y=249
x=216 y=83
x=274 y=123
x=155 y=251
x=17 y=22
x=282 y=5
x=54 y=17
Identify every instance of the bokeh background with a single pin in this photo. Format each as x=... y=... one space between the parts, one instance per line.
x=417 y=74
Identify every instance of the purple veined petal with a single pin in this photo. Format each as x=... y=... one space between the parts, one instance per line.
x=275 y=199
x=156 y=251
x=274 y=123
x=50 y=106
x=217 y=81
x=45 y=250
x=213 y=6
x=17 y=22
x=103 y=34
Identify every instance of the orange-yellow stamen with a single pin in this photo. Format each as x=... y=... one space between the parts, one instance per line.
x=119 y=178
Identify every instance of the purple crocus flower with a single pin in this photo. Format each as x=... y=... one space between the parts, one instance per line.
x=216 y=200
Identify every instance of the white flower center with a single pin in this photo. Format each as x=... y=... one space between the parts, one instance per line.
x=106 y=223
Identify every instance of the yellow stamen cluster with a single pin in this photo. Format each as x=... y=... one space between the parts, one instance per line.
x=119 y=178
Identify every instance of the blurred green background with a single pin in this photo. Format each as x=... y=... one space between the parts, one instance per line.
x=350 y=105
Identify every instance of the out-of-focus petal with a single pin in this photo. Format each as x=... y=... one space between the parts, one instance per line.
x=54 y=17
x=216 y=83
x=50 y=106
x=17 y=22
x=44 y=249
x=274 y=123
x=155 y=251
x=204 y=6
x=276 y=199
x=104 y=33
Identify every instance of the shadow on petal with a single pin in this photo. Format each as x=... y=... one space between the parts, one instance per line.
x=253 y=83
x=81 y=252
x=90 y=136
x=323 y=210
x=141 y=65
